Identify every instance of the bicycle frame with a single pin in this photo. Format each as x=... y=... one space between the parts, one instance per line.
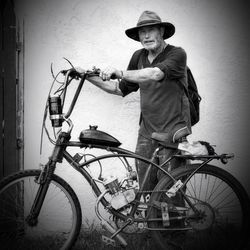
x=60 y=152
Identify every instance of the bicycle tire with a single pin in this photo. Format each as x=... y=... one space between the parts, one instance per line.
x=220 y=228
x=59 y=221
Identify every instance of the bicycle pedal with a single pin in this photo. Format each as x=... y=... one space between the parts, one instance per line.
x=108 y=241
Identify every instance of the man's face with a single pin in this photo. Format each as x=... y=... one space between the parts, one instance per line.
x=151 y=37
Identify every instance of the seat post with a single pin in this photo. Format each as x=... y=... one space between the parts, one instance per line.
x=147 y=173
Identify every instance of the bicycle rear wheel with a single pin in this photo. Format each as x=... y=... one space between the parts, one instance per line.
x=223 y=204
x=59 y=220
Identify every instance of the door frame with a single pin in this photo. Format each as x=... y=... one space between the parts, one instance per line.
x=11 y=90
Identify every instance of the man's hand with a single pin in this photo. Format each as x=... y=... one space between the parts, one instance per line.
x=110 y=73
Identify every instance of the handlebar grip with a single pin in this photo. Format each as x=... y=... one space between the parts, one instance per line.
x=113 y=77
x=64 y=71
x=73 y=73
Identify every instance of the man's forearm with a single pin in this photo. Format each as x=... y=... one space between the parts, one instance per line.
x=143 y=75
x=111 y=87
x=136 y=76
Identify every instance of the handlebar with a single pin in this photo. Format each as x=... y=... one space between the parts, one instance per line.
x=73 y=102
x=55 y=102
x=82 y=76
x=95 y=72
x=73 y=73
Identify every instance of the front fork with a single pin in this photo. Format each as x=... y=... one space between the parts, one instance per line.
x=45 y=178
x=43 y=181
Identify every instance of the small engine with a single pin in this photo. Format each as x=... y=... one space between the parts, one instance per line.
x=124 y=192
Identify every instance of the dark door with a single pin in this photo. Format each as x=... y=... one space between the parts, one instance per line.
x=8 y=90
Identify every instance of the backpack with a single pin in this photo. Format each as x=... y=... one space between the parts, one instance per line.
x=193 y=97
x=191 y=92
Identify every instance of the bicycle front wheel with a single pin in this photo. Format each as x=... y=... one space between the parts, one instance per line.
x=222 y=203
x=58 y=223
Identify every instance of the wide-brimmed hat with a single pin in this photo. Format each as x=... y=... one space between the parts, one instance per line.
x=149 y=18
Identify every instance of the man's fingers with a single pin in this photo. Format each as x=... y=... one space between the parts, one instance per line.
x=105 y=75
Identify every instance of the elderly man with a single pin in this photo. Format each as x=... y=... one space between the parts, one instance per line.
x=159 y=71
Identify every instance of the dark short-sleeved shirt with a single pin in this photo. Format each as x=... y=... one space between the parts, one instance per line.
x=164 y=105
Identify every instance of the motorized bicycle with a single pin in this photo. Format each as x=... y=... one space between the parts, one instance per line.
x=37 y=204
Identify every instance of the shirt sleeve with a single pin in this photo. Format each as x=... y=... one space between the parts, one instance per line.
x=127 y=87
x=174 y=66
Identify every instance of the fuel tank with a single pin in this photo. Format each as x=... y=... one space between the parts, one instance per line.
x=94 y=136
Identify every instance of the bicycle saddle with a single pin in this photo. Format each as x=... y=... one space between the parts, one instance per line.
x=171 y=137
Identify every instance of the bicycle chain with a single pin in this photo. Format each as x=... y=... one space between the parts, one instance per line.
x=152 y=191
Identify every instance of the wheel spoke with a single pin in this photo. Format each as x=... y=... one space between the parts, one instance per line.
x=221 y=222
x=58 y=222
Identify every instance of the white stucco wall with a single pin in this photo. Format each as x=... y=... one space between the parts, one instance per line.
x=213 y=33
